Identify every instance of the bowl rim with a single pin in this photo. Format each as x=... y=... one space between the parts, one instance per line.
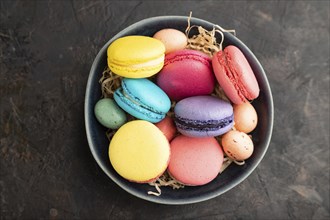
x=155 y=199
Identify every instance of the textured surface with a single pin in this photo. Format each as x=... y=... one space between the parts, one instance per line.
x=136 y=56
x=47 y=170
x=186 y=73
x=235 y=75
x=195 y=161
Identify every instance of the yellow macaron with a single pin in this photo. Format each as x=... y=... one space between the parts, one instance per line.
x=139 y=151
x=136 y=56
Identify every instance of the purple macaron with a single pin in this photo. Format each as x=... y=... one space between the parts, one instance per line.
x=203 y=116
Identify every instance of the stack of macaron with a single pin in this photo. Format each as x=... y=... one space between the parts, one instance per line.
x=179 y=124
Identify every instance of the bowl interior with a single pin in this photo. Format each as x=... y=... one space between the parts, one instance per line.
x=233 y=175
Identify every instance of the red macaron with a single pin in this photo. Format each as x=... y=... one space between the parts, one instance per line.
x=186 y=73
x=235 y=75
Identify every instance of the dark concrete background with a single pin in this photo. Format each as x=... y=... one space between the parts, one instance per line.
x=47 y=170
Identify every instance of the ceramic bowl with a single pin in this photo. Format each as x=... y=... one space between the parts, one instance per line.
x=233 y=175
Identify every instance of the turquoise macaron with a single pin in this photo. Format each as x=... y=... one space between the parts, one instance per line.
x=142 y=99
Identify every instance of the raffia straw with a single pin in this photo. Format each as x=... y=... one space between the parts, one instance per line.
x=239 y=163
x=109 y=83
x=205 y=41
x=218 y=92
x=164 y=180
x=226 y=162
x=157 y=187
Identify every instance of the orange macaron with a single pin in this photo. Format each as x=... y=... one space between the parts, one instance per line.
x=168 y=128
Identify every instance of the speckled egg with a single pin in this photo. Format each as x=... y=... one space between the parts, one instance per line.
x=172 y=39
x=109 y=114
x=237 y=145
x=245 y=117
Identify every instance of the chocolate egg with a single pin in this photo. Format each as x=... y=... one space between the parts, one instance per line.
x=245 y=117
x=237 y=145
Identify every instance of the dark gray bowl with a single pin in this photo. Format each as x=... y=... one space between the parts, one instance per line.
x=233 y=175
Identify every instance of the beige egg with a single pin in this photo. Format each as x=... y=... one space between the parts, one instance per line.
x=237 y=145
x=245 y=117
x=172 y=39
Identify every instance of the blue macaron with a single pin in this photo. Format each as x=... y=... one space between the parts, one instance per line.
x=203 y=116
x=142 y=99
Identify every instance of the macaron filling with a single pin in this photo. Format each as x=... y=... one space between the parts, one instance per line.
x=149 y=64
x=202 y=125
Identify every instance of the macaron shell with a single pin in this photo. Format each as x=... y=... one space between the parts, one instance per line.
x=135 y=109
x=195 y=161
x=245 y=117
x=203 y=108
x=237 y=145
x=235 y=76
x=202 y=116
x=136 y=56
x=139 y=151
x=220 y=71
x=172 y=39
x=148 y=93
x=239 y=64
x=186 y=73
x=143 y=99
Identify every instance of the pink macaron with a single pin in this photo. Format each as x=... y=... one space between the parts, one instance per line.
x=195 y=161
x=235 y=75
x=186 y=73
